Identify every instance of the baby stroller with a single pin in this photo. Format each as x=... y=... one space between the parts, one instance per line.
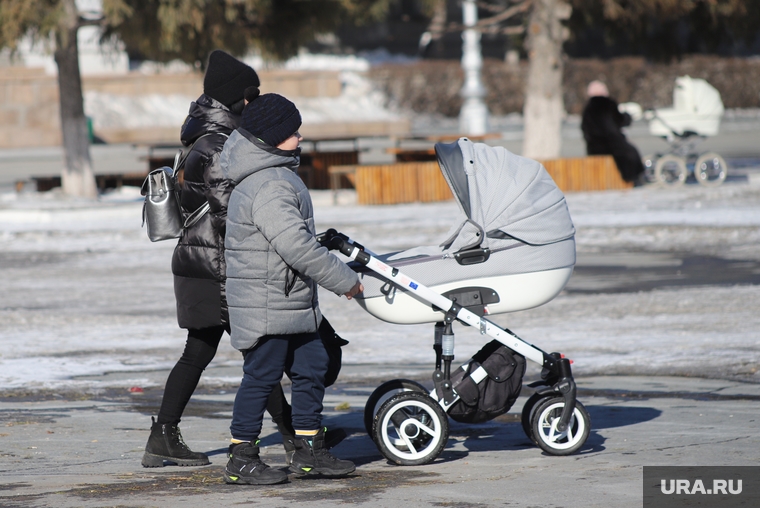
x=695 y=115
x=512 y=249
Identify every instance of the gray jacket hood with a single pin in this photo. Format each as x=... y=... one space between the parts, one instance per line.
x=245 y=155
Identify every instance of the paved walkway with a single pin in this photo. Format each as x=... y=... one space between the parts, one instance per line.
x=64 y=452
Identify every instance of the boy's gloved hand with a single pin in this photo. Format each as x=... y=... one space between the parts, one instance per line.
x=358 y=288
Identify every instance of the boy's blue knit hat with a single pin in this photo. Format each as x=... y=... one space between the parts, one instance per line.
x=270 y=117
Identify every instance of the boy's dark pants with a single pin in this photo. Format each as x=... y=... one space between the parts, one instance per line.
x=304 y=356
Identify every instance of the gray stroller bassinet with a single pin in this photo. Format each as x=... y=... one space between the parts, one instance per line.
x=514 y=236
x=511 y=249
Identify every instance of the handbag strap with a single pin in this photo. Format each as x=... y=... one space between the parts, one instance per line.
x=198 y=214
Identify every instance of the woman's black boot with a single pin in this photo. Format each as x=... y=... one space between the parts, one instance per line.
x=165 y=444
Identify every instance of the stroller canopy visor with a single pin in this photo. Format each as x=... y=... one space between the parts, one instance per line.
x=502 y=197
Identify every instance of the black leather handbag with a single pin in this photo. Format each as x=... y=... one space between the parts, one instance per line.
x=161 y=210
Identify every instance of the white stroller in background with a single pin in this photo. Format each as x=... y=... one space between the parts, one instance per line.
x=512 y=249
x=695 y=115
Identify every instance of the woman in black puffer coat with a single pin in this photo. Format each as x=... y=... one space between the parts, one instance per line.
x=198 y=260
x=199 y=269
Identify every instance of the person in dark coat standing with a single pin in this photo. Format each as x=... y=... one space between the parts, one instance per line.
x=198 y=261
x=602 y=126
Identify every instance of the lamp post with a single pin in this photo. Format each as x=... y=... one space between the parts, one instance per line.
x=473 y=117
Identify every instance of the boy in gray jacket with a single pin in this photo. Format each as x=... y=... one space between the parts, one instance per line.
x=274 y=264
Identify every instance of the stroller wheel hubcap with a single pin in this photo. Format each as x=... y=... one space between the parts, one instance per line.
x=411 y=430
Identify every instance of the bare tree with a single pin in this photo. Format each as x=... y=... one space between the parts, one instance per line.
x=544 y=109
x=77 y=178
x=58 y=21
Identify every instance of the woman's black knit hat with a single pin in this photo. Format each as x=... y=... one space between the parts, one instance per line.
x=270 y=117
x=227 y=78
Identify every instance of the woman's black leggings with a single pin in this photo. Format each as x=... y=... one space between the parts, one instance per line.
x=200 y=349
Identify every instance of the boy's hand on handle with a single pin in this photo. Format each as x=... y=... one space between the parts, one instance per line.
x=358 y=288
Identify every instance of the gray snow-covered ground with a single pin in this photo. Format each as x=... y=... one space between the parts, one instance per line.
x=84 y=292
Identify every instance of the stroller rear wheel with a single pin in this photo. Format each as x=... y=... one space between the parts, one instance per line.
x=528 y=411
x=384 y=392
x=710 y=169
x=545 y=419
x=670 y=170
x=411 y=429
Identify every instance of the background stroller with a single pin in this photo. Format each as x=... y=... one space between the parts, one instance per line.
x=513 y=248
x=695 y=115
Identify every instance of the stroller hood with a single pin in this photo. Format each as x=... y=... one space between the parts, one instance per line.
x=502 y=197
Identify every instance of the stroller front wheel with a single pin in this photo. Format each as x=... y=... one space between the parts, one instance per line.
x=384 y=392
x=670 y=170
x=549 y=438
x=411 y=429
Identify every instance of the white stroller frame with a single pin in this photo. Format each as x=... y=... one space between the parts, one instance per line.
x=695 y=115
x=410 y=425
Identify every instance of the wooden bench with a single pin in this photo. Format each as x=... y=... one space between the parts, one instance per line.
x=387 y=184
x=337 y=174
x=315 y=168
x=409 y=182
x=592 y=173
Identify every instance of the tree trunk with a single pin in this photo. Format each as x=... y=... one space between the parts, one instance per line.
x=77 y=177
x=544 y=108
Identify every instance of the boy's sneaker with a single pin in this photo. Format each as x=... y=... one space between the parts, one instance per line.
x=333 y=437
x=311 y=458
x=245 y=467
x=165 y=444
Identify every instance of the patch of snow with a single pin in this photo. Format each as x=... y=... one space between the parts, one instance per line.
x=359 y=101
x=110 y=111
x=306 y=61
x=86 y=293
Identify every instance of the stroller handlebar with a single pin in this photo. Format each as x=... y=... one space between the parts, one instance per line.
x=335 y=240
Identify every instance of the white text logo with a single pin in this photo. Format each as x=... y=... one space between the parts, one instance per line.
x=686 y=487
